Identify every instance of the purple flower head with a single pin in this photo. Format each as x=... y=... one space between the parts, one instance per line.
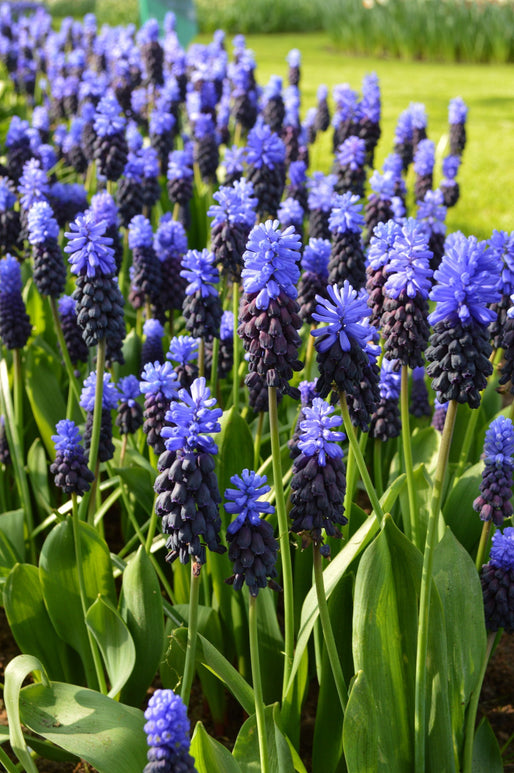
x=316 y=256
x=170 y=239
x=273 y=89
x=351 y=153
x=322 y=93
x=290 y=212
x=204 y=126
x=307 y=392
x=321 y=190
x=409 y=262
x=346 y=214
x=499 y=443
x=227 y=325
x=381 y=243
x=370 y=106
x=468 y=279
x=502 y=245
x=89 y=250
x=432 y=212
x=104 y=207
x=343 y=313
x=193 y=419
x=88 y=395
x=457 y=111
x=7 y=195
x=502 y=549
x=129 y=390
x=152 y=328
x=292 y=106
x=67 y=306
x=183 y=349
x=236 y=204
x=233 y=160
x=40 y=118
x=393 y=164
x=17 y=131
x=383 y=185
x=390 y=380
x=157 y=377
x=297 y=173
x=245 y=499
x=318 y=437
x=108 y=118
x=73 y=195
x=134 y=137
x=294 y=58
x=346 y=101
x=264 y=147
x=179 y=166
x=47 y=156
x=199 y=268
x=424 y=158
x=140 y=233
x=270 y=262
x=33 y=185
x=167 y=725
x=149 y=32
x=10 y=276
x=451 y=167
x=160 y=123
x=42 y=224
x=418 y=115
x=67 y=440
x=404 y=128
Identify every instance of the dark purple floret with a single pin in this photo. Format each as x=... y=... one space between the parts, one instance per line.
x=69 y=468
x=314 y=279
x=403 y=139
x=386 y=422
x=77 y=348
x=67 y=200
x=147 y=271
x=457 y=115
x=265 y=159
x=49 y=269
x=351 y=174
x=321 y=190
x=322 y=120
x=183 y=351
x=129 y=417
x=202 y=307
x=15 y=326
x=233 y=218
x=497 y=578
x=110 y=145
x=419 y=404
x=152 y=349
x=5 y=454
x=159 y=385
x=424 y=159
x=370 y=110
x=379 y=207
x=379 y=251
x=109 y=402
x=494 y=503
x=346 y=118
x=10 y=227
x=347 y=261
x=502 y=243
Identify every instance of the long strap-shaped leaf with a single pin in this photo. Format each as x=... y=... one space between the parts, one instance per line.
x=15 y=674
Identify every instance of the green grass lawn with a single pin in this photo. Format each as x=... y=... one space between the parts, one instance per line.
x=487 y=170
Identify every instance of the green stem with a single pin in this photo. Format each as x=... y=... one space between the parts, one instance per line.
x=235 y=366
x=257 y=684
x=123 y=449
x=96 y=678
x=192 y=629
x=8 y=764
x=283 y=538
x=426 y=587
x=257 y=441
x=97 y=414
x=467 y=763
x=64 y=349
x=201 y=358
x=18 y=394
x=214 y=365
x=309 y=355
x=328 y=633
x=407 y=456
x=482 y=546
x=377 y=466
x=466 y=444
x=359 y=459
x=151 y=529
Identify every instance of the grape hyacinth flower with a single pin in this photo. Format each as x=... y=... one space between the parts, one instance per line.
x=187 y=487
x=183 y=350
x=129 y=417
x=294 y=59
x=318 y=484
x=67 y=201
x=252 y=545
x=449 y=185
x=369 y=112
x=49 y=268
x=404 y=322
x=346 y=117
x=104 y=207
x=308 y=392
x=33 y=186
x=17 y=145
x=180 y=183
x=152 y=350
x=419 y=123
x=497 y=578
x=273 y=109
x=152 y=54
x=109 y=402
x=10 y=227
x=378 y=257
x=129 y=190
x=347 y=261
x=467 y=280
x=5 y=454
x=15 y=327
x=457 y=115
x=268 y=314
x=386 y=422
x=297 y=187
x=502 y=243
x=147 y=276
x=344 y=356
x=403 y=138
x=233 y=218
x=202 y=306
x=167 y=731
x=226 y=347
x=170 y=245
x=321 y=190
x=265 y=159
x=206 y=148
x=291 y=213
x=432 y=213
x=439 y=416
x=159 y=385
x=322 y=119
x=351 y=173
x=424 y=159
x=419 y=405
x=75 y=344
x=233 y=161
x=70 y=470
x=314 y=278
x=379 y=206
x=98 y=297
x=110 y=147
x=494 y=503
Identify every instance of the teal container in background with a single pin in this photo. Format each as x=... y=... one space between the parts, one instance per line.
x=185 y=16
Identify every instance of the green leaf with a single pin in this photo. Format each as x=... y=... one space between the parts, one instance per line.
x=423 y=487
x=461 y=595
x=8 y=555
x=271 y=642
x=210 y=755
x=44 y=393
x=246 y=749
x=140 y=484
x=114 y=640
x=458 y=508
x=425 y=448
x=384 y=647
x=105 y=733
x=141 y=609
x=32 y=627
x=12 y=524
x=360 y=728
x=59 y=580
x=486 y=752
x=38 y=474
x=44 y=749
x=15 y=674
